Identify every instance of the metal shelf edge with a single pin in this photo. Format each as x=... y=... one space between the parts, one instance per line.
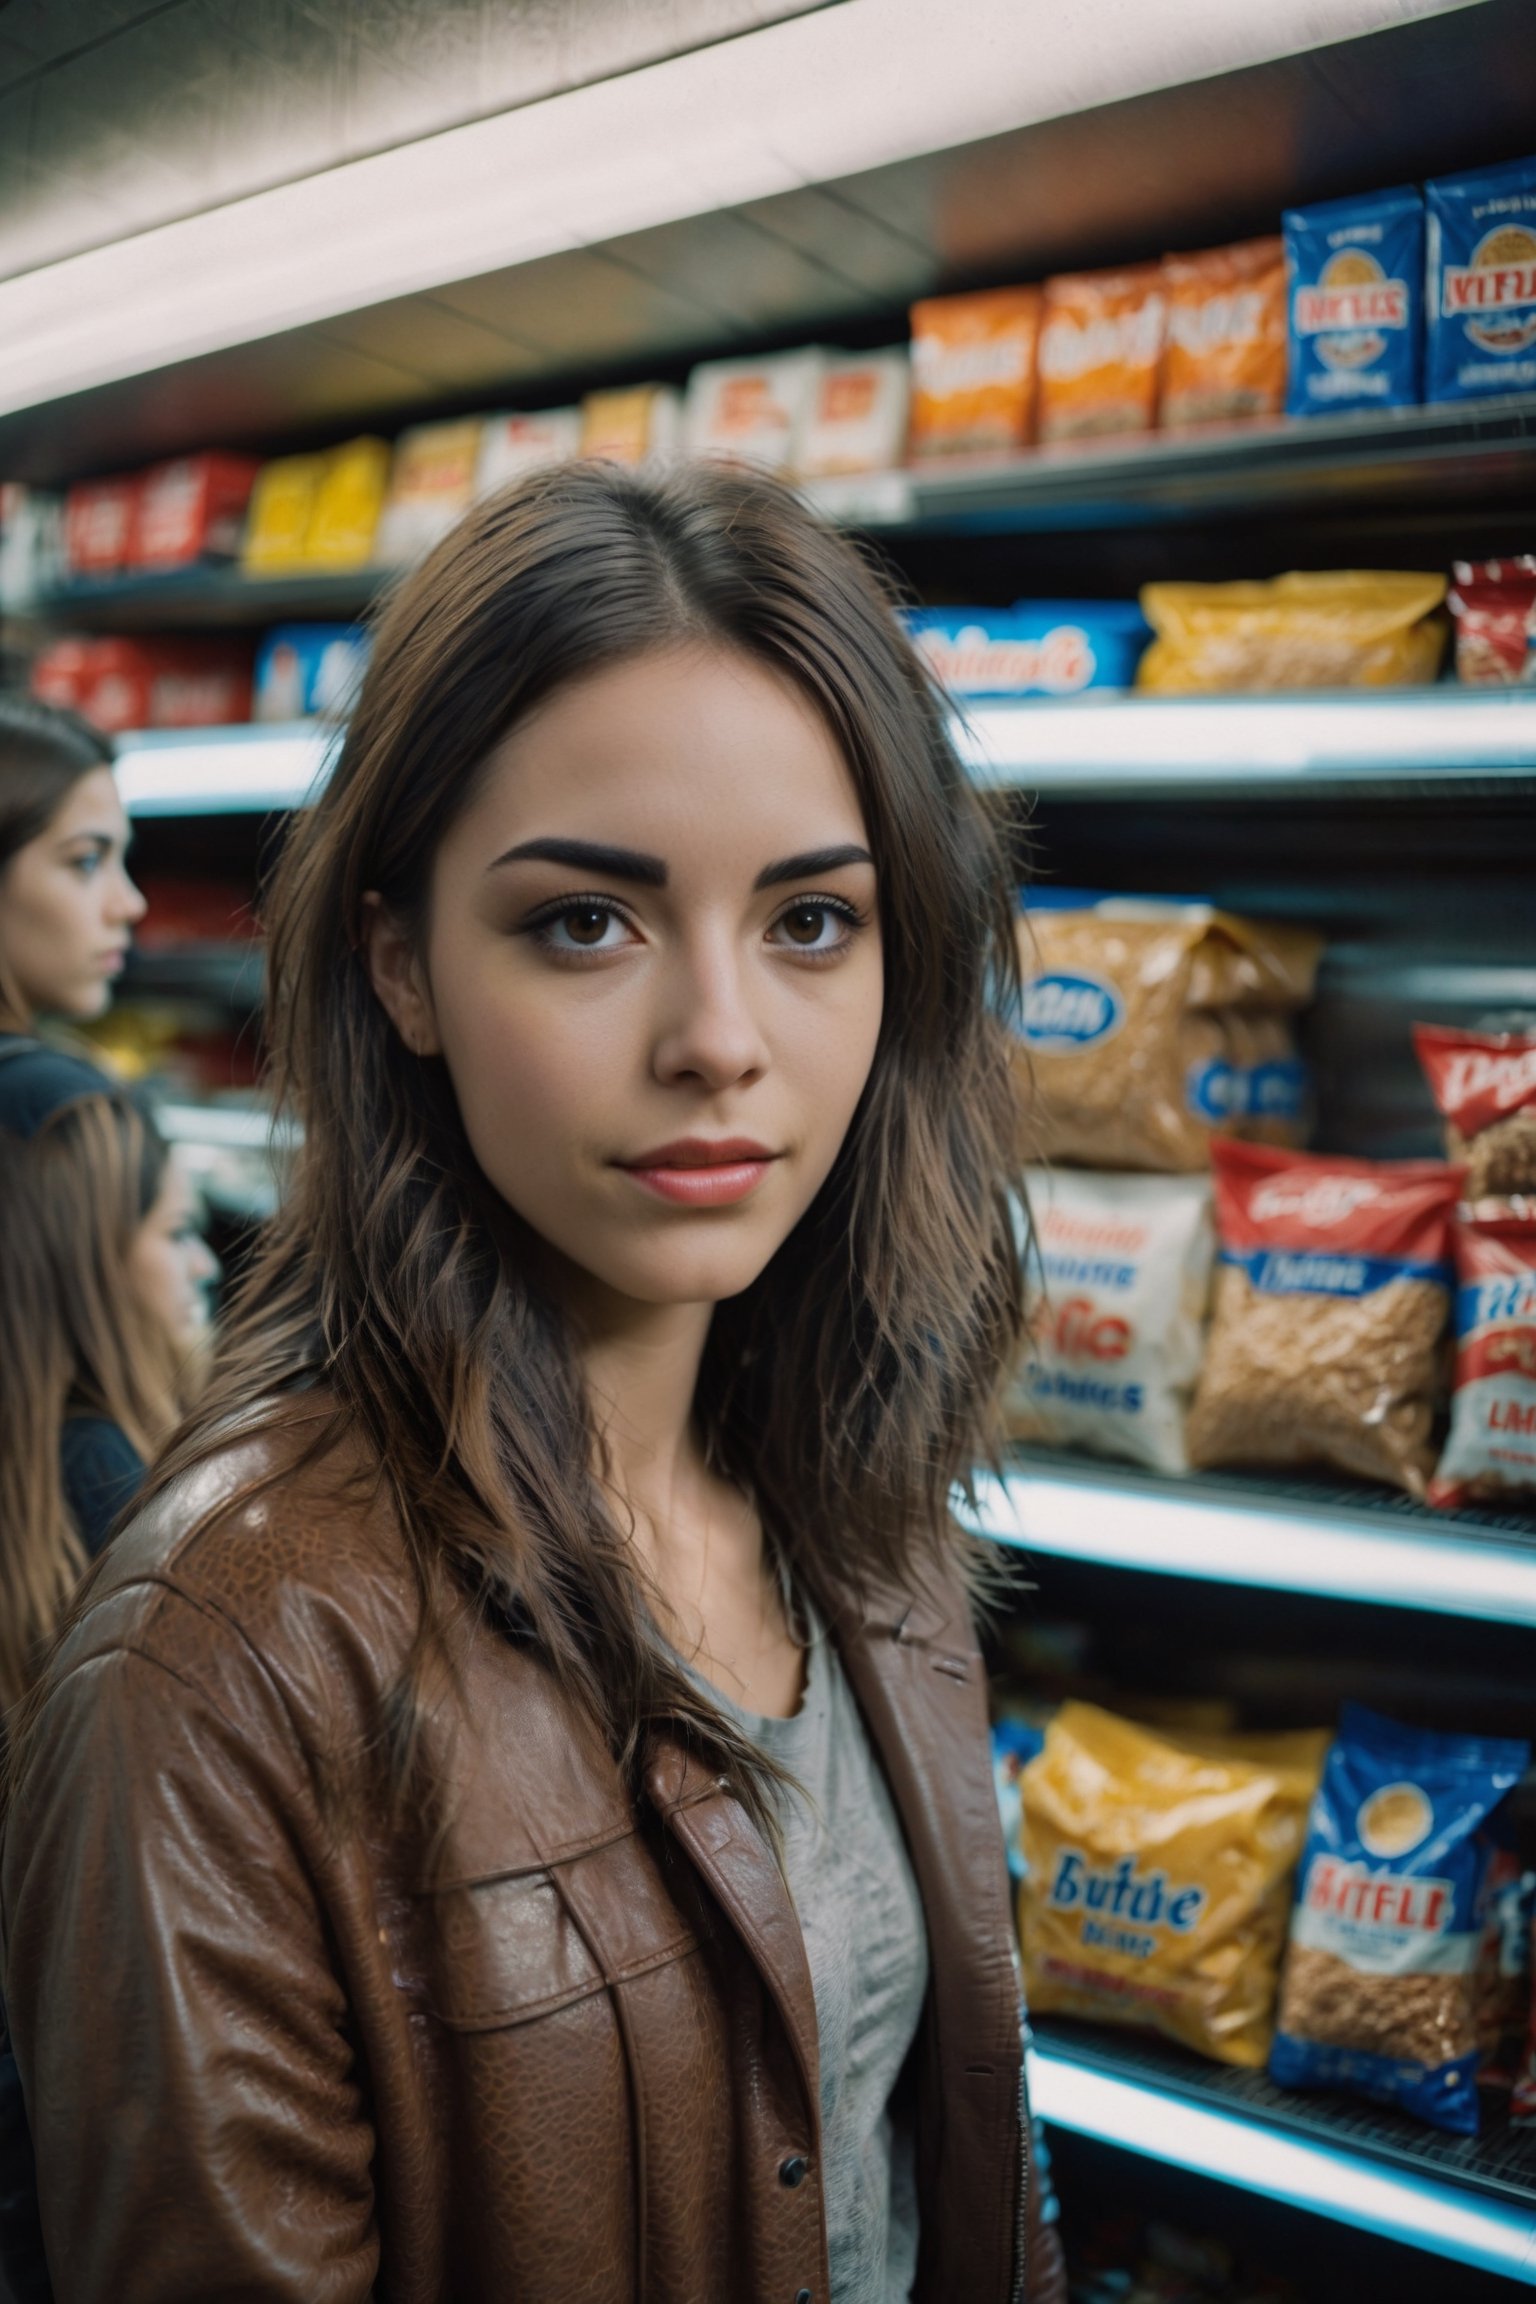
x=1297 y=1549
x=1302 y=2172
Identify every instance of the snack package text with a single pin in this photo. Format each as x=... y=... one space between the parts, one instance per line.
x=1482 y=282
x=1484 y=1086
x=1356 y=279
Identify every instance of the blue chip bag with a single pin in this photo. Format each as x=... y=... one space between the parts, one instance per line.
x=1378 y=1994
x=1355 y=280
x=1035 y=648
x=1482 y=283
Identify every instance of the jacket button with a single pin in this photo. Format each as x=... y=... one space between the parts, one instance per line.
x=794 y=2171
x=803 y=2296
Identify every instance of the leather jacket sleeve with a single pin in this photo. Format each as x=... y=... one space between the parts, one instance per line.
x=173 y=1997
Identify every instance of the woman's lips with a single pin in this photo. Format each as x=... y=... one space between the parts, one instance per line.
x=697 y=1175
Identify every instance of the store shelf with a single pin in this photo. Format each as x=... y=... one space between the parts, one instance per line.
x=1341 y=1544
x=216 y=595
x=224 y=1127
x=221 y=771
x=1451 y=452
x=1109 y=745
x=1469 y=2199
x=1099 y=746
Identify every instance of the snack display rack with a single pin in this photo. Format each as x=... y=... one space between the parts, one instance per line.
x=1323 y=807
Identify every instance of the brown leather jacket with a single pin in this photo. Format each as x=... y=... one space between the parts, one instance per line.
x=560 y=2047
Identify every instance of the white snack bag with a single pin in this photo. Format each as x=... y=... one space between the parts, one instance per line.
x=751 y=411
x=1122 y=1268
x=513 y=444
x=857 y=418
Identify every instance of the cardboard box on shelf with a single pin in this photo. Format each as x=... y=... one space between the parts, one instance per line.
x=973 y=372
x=98 y=524
x=432 y=482
x=639 y=424
x=344 y=520
x=191 y=509
x=124 y=684
x=282 y=503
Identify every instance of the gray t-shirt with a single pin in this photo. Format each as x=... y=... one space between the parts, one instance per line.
x=867 y=1946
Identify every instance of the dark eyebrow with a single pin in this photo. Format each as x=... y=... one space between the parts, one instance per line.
x=811 y=865
x=589 y=856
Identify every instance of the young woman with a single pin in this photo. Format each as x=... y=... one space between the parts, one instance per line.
x=513 y=1817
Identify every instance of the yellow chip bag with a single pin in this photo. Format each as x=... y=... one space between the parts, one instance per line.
x=1335 y=628
x=1158 y=1881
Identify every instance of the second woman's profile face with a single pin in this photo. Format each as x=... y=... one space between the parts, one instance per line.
x=652 y=967
x=68 y=907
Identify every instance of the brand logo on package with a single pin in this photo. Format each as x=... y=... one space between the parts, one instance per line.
x=1351 y=304
x=1063 y=1014
x=1319 y=1202
x=974 y=661
x=1120 y=1901
x=1494 y=293
x=1397 y=1901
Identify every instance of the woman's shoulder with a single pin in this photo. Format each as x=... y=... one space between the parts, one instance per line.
x=277 y=1549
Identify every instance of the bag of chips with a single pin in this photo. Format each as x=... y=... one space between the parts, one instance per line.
x=1101 y=342
x=1157 y=1876
x=1490 y=1452
x=973 y=372
x=1379 y=1990
x=1114 y=1342
x=1493 y=607
x=1333 y=1287
x=1484 y=1086
x=1224 y=354
x=1151 y=1027
x=1338 y=628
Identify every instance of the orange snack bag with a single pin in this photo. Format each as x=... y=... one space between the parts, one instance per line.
x=1101 y=339
x=973 y=371
x=1224 y=354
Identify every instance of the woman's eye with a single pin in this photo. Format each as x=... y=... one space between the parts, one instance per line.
x=817 y=927
x=585 y=927
x=87 y=866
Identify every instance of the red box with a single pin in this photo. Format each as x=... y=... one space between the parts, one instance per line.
x=122 y=684
x=98 y=525
x=191 y=509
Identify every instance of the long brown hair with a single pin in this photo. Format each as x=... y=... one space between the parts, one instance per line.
x=43 y=751
x=74 y=1340
x=854 y=1382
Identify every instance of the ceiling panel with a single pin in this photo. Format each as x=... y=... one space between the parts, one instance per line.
x=1185 y=167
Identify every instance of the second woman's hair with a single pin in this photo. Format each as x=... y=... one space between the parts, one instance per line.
x=74 y=1339
x=853 y=1383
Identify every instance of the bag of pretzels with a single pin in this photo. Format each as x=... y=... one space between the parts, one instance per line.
x=1381 y=1987
x=1484 y=1086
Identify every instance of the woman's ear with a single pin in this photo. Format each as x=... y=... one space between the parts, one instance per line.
x=398 y=978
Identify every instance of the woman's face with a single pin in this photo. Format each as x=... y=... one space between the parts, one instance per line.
x=652 y=967
x=67 y=906
x=171 y=1268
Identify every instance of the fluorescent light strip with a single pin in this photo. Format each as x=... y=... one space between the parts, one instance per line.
x=225 y=1128
x=221 y=771
x=1457 y=1574
x=1046 y=745
x=1303 y=2172
x=822 y=96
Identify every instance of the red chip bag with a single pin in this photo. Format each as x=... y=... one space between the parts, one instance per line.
x=1484 y=1085
x=1493 y=603
x=1490 y=1452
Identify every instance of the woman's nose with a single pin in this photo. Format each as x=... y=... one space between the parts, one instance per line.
x=708 y=1030
x=127 y=903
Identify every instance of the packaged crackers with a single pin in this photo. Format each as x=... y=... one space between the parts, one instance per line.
x=1482 y=282
x=1490 y=1452
x=1035 y=648
x=751 y=411
x=1157 y=1876
x=1123 y=1267
x=1356 y=280
x=1101 y=342
x=1224 y=347
x=1484 y=1086
x=1333 y=628
x=1333 y=1288
x=1379 y=1994
x=1150 y=1028
x=857 y=418
x=973 y=372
